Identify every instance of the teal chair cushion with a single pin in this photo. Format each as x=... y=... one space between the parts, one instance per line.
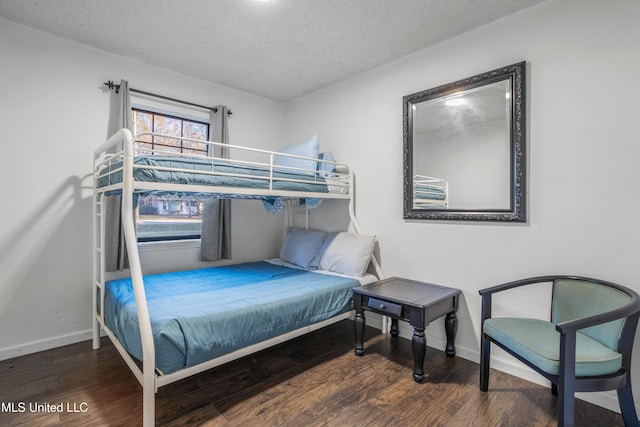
x=538 y=342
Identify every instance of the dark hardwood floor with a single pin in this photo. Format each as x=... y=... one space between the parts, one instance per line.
x=314 y=380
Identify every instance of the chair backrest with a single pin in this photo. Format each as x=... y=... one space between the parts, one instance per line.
x=573 y=299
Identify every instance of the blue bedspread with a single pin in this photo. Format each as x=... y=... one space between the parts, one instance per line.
x=195 y=176
x=201 y=314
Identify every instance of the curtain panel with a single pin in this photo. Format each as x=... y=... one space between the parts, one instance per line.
x=115 y=249
x=215 y=243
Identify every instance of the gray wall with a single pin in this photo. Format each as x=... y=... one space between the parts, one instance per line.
x=53 y=113
x=584 y=145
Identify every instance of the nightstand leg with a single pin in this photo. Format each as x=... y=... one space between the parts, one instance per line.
x=358 y=329
x=394 y=328
x=419 y=348
x=451 y=327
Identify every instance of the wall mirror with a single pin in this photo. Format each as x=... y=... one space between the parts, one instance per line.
x=464 y=149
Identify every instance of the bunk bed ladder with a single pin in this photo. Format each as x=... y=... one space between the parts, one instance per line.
x=98 y=265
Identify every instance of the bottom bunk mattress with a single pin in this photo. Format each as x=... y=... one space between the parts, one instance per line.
x=198 y=315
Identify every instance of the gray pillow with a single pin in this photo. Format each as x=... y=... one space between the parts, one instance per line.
x=301 y=246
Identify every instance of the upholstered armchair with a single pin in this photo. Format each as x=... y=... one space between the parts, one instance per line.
x=585 y=347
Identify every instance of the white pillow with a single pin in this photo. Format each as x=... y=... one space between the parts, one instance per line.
x=301 y=246
x=308 y=148
x=347 y=253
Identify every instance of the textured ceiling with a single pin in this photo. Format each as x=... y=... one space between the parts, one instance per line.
x=280 y=49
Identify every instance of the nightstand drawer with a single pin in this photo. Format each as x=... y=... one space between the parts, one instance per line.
x=384 y=307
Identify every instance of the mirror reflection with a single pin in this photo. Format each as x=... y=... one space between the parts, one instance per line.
x=464 y=149
x=461 y=149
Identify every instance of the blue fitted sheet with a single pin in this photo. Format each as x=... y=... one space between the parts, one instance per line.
x=198 y=315
x=312 y=183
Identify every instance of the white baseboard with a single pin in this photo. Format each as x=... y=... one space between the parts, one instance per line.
x=45 y=344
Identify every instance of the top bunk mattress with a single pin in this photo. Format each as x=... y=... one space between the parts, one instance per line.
x=208 y=172
x=198 y=315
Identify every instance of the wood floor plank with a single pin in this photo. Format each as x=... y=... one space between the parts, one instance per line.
x=313 y=380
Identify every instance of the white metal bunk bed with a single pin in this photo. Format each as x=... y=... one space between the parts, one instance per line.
x=117 y=168
x=430 y=192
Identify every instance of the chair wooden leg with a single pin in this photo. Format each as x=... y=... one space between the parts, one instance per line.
x=566 y=379
x=627 y=406
x=566 y=406
x=485 y=355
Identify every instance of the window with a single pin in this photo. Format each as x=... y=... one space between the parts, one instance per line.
x=162 y=217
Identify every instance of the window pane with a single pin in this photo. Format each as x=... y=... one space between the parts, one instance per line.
x=170 y=149
x=142 y=122
x=143 y=148
x=160 y=218
x=196 y=130
x=167 y=125
x=193 y=152
x=195 y=147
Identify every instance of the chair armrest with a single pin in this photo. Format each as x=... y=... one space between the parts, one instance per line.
x=518 y=283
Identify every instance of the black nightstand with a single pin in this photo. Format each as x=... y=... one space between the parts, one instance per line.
x=415 y=302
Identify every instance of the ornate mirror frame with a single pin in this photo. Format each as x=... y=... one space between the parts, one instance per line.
x=514 y=76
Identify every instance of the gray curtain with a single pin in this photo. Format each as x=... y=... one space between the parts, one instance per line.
x=115 y=249
x=216 y=213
